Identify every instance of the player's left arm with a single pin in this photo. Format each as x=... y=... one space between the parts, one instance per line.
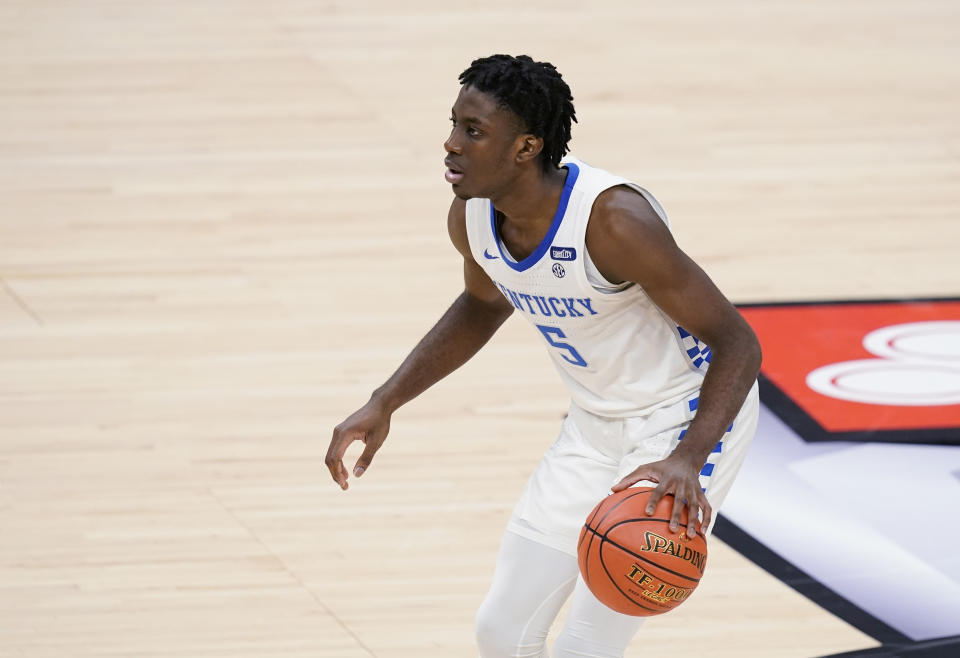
x=629 y=242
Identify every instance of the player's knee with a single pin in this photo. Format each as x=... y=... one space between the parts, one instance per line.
x=499 y=636
x=486 y=634
x=491 y=638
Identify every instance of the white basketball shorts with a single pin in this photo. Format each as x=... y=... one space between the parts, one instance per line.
x=593 y=453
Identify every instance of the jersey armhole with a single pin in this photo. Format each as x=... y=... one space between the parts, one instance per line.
x=594 y=277
x=596 y=280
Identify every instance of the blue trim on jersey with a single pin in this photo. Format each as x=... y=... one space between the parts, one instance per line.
x=573 y=171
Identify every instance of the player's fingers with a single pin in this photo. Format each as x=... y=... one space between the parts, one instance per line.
x=334 y=458
x=693 y=516
x=640 y=474
x=677 y=512
x=654 y=499
x=363 y=463
x=337 y=471
x=707 y=510
x=624 y=483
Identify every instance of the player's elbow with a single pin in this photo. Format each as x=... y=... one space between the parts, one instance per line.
x=738 y=343
x=751 y=350
x=757 y=356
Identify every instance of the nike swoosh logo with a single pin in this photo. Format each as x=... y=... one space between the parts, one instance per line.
x=488 y=256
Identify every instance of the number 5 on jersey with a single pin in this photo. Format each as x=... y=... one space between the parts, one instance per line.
x=551 y=334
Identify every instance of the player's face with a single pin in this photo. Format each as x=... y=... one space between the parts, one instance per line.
x=482 y=146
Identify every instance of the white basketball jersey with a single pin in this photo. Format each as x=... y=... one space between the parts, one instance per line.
x=617 y=352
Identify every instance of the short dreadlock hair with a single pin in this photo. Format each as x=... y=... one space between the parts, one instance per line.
x=535 y=92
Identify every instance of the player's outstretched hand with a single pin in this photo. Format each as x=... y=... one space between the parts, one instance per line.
x=370 y=424
x=679 y=477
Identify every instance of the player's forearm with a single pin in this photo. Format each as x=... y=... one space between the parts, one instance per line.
x=733 y=371
x=459 y=334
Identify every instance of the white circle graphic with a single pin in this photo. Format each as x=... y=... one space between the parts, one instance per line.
x=918 y=366
x=888 y=382
x=934 y=342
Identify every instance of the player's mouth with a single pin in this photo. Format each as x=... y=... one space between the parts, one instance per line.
x=452 y=175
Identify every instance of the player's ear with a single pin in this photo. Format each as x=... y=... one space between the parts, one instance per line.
x=529 y=147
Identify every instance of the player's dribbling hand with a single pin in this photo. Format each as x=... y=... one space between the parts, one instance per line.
x=370 y=424
x=680 y=478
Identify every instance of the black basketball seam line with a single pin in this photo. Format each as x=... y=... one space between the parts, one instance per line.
x=625 y=595
x=593 y=515
x=644 y=519
x=586 y=568
x=586 y=562
x=689 y=590
x=596 y=510
x=604 y=538
x=695 y=581
x=639 y=491
x=663 y=580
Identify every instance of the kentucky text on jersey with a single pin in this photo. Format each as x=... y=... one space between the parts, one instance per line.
x=575 y=307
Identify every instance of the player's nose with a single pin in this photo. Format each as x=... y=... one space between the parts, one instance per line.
x=450 y=145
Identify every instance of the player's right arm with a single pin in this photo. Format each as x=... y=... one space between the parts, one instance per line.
x=467 y=325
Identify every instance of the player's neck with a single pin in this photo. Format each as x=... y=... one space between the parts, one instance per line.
x=532 y=199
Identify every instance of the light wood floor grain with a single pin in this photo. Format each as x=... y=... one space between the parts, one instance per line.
x=222 y=224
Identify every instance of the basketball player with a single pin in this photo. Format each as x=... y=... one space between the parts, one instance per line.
x=587 y=258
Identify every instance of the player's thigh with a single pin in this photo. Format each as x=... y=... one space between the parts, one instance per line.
x=571 y=478
x=531 y=582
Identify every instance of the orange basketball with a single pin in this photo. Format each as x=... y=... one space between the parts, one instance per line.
x=632 y=562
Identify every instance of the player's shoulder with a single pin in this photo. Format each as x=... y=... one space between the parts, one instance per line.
x=612 y=195
x=627 y=239
x=622 y=208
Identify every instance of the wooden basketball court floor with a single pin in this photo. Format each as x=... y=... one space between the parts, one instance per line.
x=222 y=224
